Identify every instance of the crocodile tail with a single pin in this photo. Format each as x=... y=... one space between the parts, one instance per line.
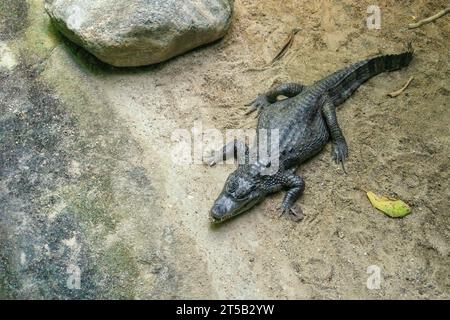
x=353 y=77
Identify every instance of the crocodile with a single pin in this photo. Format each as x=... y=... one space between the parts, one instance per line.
x=305 y=121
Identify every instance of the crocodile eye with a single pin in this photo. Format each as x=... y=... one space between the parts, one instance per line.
x=232 y=186
x=241 y=195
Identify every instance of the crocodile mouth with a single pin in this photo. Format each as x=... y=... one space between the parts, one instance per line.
x=225 y=208
x=215 y=220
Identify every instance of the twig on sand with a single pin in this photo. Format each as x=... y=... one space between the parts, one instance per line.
x=281 y=53
x=286 y=46
x=399 y=91
x=429 y=19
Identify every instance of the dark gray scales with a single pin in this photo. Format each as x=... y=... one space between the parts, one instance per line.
x=306 y=120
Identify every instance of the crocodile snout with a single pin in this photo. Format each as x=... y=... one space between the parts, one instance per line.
x=217 y=213
x=226 y=207
x=223 y=208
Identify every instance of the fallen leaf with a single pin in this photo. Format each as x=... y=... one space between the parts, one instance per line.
x=392 y=207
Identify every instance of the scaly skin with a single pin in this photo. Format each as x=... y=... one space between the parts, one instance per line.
x=305 y=121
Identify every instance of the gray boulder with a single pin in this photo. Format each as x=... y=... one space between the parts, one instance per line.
x=127 y=33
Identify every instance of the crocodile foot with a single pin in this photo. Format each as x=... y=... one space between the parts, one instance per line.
x=210 y=160
x=339 y=152
x=294 y=214
x=257 y=104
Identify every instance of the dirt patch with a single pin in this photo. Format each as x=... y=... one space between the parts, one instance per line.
x=13 y=18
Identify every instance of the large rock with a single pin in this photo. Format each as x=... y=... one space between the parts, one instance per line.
x=140 y=32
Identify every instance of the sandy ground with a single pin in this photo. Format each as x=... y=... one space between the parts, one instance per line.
x=88 y=187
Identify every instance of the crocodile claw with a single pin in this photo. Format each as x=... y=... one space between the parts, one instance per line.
x=210 y=160
x=293 y=214
x=339 y=153
x=257 y=104
x=251 y=109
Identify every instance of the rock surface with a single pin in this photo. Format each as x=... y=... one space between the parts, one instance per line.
x=140 y=32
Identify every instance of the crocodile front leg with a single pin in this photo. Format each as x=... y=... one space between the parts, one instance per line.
x=339 y=151
x=295 y=186
x=289 y=90
x=236 y=149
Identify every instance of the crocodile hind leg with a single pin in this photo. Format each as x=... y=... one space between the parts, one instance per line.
x=236 y=149
x=339 y=150
x=289 y=90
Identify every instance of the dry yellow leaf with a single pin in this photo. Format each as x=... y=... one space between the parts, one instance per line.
x=392 y=207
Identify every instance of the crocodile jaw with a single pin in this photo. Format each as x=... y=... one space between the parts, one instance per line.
x=226 y=207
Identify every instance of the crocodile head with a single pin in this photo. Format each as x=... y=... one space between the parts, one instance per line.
x=242 y=191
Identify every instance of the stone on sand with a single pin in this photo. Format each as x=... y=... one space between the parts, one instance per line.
x=140 y=32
